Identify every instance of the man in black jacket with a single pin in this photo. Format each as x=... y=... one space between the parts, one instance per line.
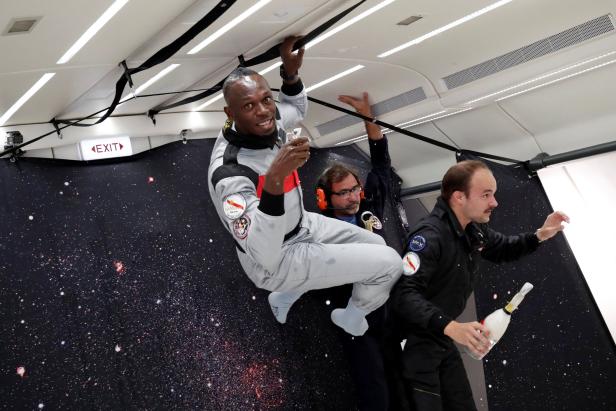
x=443 y=251
x=375 y=356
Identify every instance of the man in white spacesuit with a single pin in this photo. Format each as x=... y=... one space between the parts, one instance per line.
x=254 y=185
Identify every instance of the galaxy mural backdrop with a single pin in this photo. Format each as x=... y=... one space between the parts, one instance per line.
x=120 y=289
x=557 y=353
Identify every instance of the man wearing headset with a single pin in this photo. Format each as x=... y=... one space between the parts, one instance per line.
x=373 y=357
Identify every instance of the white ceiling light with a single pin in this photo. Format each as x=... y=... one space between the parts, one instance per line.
x=577 y=73
x=419 y=121
x=151 y=81
x=270 y=68
x=22 y=100
x=228 y=26
x=346 y=24
x=334 y=78
x=337 y=29
x=387 y=130
x=407 y=124
x=581 y=63
x=322 y=83
x=210 y=101
x=94 y=28
x=445 y=28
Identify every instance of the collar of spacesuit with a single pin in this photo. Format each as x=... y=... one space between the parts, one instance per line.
x=250 y=141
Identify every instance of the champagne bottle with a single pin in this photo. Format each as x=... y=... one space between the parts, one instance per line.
x=498 y=321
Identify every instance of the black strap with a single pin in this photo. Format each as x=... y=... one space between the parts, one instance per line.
x=412 y=134
x=171 y=49
x=272 y=53
x=161 y=55
x=287 y=236
x=231 y=168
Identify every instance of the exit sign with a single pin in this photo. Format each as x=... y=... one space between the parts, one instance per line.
x=106 y=148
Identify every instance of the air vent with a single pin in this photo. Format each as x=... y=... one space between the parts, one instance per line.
x=575 y=35
x=409 y=20
x=401 y=100
x=21 y=25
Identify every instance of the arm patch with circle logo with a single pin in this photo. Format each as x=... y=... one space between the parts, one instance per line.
x=417 y=243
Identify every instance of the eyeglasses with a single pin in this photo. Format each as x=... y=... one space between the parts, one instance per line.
x=348 y=191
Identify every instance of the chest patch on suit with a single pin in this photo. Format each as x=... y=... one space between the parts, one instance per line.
x=234 y=206
x=417 y=243
x=240 y=227
x=410 y=263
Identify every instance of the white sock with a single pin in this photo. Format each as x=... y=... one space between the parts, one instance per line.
x=281 y=303
x=351 y=319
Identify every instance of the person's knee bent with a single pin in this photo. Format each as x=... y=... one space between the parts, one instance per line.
x=391 y=266
x=394 y=262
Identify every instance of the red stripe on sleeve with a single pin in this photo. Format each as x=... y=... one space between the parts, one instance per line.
x=290 y=183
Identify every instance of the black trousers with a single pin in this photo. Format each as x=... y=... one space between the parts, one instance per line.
x=375 y=365
x=434 y=376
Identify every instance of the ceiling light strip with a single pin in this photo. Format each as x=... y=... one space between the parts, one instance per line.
x=348 y=23
x=445 y=28
x=94 y=28
x=237 y=20
x=22 y=100
x=334 y=78
x=270 y=68
x=577 y=73
x=210 y=101
x=407 y=124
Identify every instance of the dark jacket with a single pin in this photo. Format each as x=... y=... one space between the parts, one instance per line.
x=382 y=186
x=436 y=294
x=378 y=182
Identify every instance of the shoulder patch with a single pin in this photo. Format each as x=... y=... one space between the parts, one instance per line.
x=240 y=227
x=417 y=243
x=410 y=263
x=234 y=206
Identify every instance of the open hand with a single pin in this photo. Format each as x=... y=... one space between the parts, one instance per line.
x=361 y=105
x=552 y=225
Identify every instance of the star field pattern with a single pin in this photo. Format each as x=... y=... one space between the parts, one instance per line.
x=120 y=289
x=557 y=353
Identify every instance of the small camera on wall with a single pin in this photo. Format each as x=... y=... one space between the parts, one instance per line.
x=13 y=138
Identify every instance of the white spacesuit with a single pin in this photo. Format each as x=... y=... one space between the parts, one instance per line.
x=282 y=247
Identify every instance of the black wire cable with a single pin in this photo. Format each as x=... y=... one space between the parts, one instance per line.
x=412 y=134
x=272 y=53
x=160 y=56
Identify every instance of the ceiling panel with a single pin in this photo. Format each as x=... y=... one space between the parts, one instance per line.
x=490 y=130
x=573 y=113
x=555 y=115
